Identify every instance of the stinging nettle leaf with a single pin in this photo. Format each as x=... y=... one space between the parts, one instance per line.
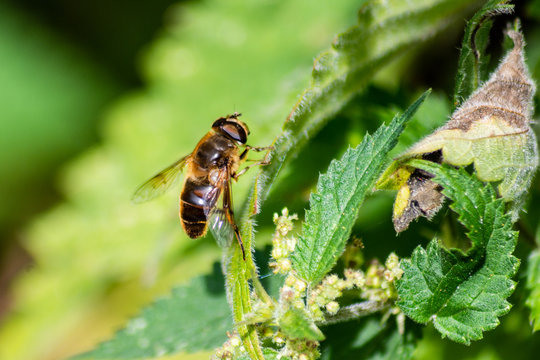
x=533 y=284
x=268 y=353
x=194 y=317
x=475 y=40
x=370 y=339
x=340 y=192
x=383 y=33
x=462 y=294
x=492 y=127
x=490 y=130
x=297 y=324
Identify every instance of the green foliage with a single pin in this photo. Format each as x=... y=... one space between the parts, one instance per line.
x=340 y=193
x=383 y=32
x=370 y=339
x=50 y=96
x=338 y=74
x=512 y=339
x=533 y=285
x=471 y=65
x=269 y=354
x=179 y=322
x=106 y=257
x=428 y=117
x=296 y=324
x=197 y=70
x=482 y=132
x=463 y=294
x=237 y=278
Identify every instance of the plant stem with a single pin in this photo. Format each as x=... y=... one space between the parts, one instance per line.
x=258 y=287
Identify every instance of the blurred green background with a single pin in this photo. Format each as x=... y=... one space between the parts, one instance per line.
x=96 y=96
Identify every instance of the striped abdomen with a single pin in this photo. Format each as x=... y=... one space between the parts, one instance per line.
x=197 y=199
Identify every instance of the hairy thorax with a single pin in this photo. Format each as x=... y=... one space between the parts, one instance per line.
x=214 y=155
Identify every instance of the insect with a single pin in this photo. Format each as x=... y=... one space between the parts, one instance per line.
x=210 y=168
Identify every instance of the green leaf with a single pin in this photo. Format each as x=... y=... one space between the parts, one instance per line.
x=462 y=294
x=490 y=130
x=470 y=65
x=296 y=324
x=268 y=353
x=194 y=317
x=533 y=284
x=105 y=256
x=340 y=192
x=433 y=112
x=370 y=339
x=384 y=32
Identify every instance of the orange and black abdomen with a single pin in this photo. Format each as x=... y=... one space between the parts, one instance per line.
x=196 y=200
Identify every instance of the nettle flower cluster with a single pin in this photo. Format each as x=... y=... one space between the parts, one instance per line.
x=292 y=322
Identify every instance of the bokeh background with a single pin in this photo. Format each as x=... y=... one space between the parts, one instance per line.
x=96 y=96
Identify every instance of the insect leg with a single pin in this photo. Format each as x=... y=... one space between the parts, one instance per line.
x=258 y=149
x=243 y=171
x=229 y=213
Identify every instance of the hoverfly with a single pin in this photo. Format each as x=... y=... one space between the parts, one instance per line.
x=210 y=168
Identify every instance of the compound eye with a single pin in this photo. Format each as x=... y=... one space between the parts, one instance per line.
x=217 y=124
x=235 y=131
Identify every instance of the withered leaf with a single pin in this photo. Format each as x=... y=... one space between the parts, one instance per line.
x=491 y=130
x=419 y=197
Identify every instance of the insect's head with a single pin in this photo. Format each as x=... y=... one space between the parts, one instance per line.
x=232 y=128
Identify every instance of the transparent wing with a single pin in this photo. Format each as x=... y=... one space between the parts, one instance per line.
x=220 y=227
x=161 y=182
x=221 y=220
x=218 y=221
x=211 y=197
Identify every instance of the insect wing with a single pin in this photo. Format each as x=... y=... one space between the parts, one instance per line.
x=211 y=197
x=218 y=222
x=161 y=182
x=220 y=227
x=223 y=225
